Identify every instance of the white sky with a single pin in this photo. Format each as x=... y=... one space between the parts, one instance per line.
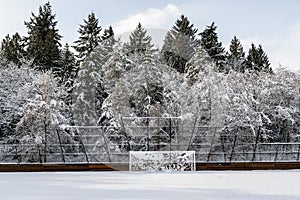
x=273 y=23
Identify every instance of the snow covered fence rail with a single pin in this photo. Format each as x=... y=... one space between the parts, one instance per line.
x=112 y=144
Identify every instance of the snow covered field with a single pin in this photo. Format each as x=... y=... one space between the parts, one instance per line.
x=258 y=185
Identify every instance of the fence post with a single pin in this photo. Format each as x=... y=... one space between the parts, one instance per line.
x=232 y=150
x=298 y=154
x=276 y=153
x=83 y=147
x=170 y=133
x=190 y=143
x=61 y=148
x=211 y=144
x=158 y=126
x=255 y=145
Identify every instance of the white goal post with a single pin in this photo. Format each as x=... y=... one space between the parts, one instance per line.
x=162 y=161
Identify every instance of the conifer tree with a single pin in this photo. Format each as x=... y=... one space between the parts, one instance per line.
x=236 y=58
x=209 y=41
x=257 y=60
x=68 y=70
x=139 y=41
x=12 y=49
x=179 y=44
x=43 y=40
x=89 y=37
x=108 y=33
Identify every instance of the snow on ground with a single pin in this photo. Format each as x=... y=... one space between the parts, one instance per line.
x=256 y=185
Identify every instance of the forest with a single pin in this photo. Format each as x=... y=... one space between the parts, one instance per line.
x=127 y=94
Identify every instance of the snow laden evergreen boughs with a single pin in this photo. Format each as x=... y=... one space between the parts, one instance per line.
x=209 y=41
x=43 y=40
x=236 y=58
x=85 y=89
x=117 y=64
x=67 y=73
x=257 y=60
x=179 y=44
x=139 y=42
x=12 y=49
x=89 y=37
x=38 y=131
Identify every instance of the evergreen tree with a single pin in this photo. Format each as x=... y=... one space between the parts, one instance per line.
x=257 y=60
x=88 y=91
x=139 y=42
x=12 y=49
x=236 y=58
x=108 y=33
x=69 y=70
x=89 y=37
x=179 y=44
x=108 y=41
x=209 y=41
x=43 y=40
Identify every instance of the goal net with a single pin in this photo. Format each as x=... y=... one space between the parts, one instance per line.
x=162 y=161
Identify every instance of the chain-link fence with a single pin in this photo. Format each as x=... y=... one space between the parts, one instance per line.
x=94 y=144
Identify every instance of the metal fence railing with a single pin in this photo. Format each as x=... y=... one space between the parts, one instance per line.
x=94 y=144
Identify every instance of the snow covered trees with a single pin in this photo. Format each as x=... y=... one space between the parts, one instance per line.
x=43 y=40
x=236 y=58
x=139 y=42
x=121 y=87
x=179 y=44
x=257 y=60
x=42 y=115
x=209 y=41
x=12 y=79
x=12 y=49
x=89 y=37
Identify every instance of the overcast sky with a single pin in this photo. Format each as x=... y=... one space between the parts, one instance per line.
x=273 y=23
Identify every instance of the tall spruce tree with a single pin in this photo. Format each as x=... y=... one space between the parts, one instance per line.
x=89 y=37
x=209 y=41
x=69 y=70
x=139 y=41
x=236 y=58
x=179 y=44
x=257 y=60
x=12 y=49
x=43 y=41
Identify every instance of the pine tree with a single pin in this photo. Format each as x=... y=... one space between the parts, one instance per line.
x=139 y=41
x=12 y=49
x=108 y=33
x=108 y=42
x=43 y=40
x=89 y=37
x=209 y=41
x=257 y=60
x=69 y=70
x=236 y=58
x=179 y=44
x=88 y=91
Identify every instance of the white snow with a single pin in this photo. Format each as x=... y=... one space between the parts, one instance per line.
x=253 y=185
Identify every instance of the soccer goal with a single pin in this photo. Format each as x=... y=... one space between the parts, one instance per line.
x=162 y=161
